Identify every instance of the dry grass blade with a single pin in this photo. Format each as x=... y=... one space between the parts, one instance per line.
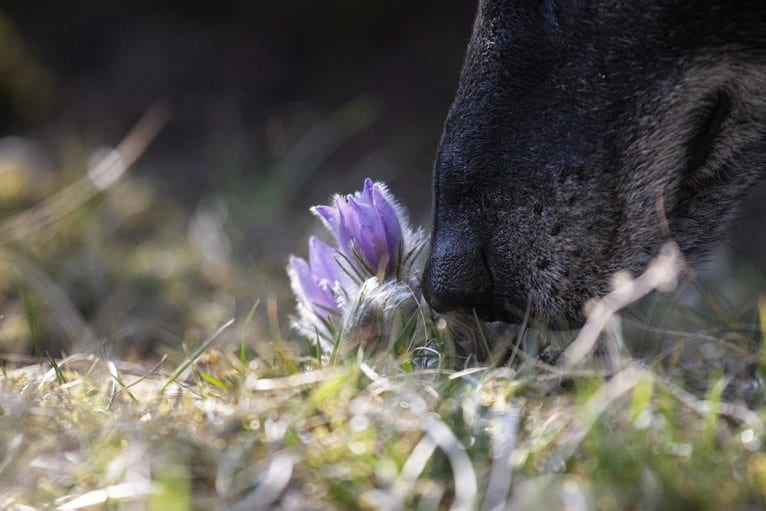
x=15 y=445
x=294 y=380
x=122 y=491
x=438 y=434
x=271 y=486
x=100 y=177
x=661 y=274
x=736 y=412
x=55 y=372
x=505 y=427
x=466 y=487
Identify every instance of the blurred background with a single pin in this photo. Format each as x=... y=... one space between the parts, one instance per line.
x=274 y=106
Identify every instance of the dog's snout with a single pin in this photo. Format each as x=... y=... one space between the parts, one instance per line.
x=457 y=277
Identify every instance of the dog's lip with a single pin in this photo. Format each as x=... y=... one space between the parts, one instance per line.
x=494 y=308
x=491 y=312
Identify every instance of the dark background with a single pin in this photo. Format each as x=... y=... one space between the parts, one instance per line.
x=275 y=106
x=245 y=79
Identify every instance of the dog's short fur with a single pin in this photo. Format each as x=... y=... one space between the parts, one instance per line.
x=573 y=121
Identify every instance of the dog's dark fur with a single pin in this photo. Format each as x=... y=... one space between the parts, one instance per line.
x=573 y=120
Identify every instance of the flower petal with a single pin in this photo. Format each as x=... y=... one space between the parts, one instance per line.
x=348 y=228
x=365 y=196
x=392 y=223
x=308 y=289
x=328 y=215
x=322 y=262
x=368 y=225
x=372 y=235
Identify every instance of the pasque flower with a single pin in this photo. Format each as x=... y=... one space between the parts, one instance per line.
x=313 y=281
x=367 y=226
x=377 y=257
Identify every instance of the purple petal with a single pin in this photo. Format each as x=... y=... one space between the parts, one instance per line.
x=322 y=262
x=349 y=231
x=328 y=215
x=308 y=289
x=367 y=222
x=392 y=225
x=372 y=237
x=365 y=196
x=335 y=219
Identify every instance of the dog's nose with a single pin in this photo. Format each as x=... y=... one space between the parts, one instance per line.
x=457 y=277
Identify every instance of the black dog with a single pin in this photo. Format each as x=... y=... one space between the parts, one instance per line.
x=572 y=121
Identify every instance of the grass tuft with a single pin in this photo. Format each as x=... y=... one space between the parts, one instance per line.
x=364 y=433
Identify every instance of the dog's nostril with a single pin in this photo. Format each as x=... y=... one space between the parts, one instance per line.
x=457 y=279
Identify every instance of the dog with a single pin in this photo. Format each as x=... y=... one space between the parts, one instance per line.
x=584 y=134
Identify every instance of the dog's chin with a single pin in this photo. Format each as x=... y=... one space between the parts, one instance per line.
x=537 y=317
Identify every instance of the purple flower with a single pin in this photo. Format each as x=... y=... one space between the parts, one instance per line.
x=371 y=271
x=323 y=264
x=314 y=281
x=367 y=227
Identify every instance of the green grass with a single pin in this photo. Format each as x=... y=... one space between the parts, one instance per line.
x=365 y=433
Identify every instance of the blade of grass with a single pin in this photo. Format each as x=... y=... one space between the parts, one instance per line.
x=60 y=378
x=248 y=320
x=32 y=315
x=126 y=387
x=115 y=374
x=213 y=380
x=318 y=346
x=335 y=347
x=273 y=316
x=718 y=382
x=286 y=359
x=53 y=299
x=483 y=338
x=408 y=331
x=194 y=356
x=762 y=324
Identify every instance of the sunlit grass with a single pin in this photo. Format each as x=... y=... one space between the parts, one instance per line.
x=365 y=433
